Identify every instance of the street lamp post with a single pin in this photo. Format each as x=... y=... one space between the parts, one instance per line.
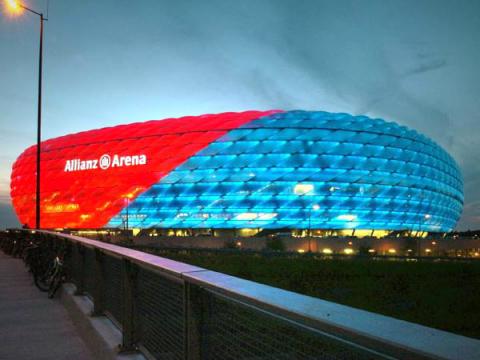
x=315 y=208
x=418 y=235
x=303 y=190
x=16 y=7
x=128 y=203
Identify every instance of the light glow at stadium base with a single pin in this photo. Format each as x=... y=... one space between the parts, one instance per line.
x=251 y=170
x=246 y=233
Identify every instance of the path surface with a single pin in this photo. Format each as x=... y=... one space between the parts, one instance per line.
x=31 y=325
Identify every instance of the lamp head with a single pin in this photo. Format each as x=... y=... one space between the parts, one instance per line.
x=13 y=7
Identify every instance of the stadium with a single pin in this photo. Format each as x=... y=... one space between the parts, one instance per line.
x=253 y=171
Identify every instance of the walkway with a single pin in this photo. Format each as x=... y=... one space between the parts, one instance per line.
x=31 y=325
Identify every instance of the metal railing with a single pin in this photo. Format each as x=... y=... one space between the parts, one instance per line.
x=171 y=310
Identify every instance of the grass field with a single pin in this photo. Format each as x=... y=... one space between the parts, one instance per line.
x=443 y=295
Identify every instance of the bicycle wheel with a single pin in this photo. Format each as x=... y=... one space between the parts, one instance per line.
x=42 y=282
x=41 y=274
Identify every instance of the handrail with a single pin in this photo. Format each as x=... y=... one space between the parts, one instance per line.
x=390 y=337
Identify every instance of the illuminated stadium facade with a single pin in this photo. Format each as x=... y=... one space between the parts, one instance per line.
x=255 y=170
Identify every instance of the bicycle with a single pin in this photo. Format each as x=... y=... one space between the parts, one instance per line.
x=50 y=278
x=38 y=263
x=57 y=277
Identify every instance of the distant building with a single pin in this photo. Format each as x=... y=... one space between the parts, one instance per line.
x=251 y=170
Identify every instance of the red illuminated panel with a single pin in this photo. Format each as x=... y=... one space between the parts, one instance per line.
x=80 y=191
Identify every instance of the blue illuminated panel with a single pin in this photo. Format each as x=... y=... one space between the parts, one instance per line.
x=285 y=170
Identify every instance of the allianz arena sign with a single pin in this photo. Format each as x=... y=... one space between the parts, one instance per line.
x=105 y=162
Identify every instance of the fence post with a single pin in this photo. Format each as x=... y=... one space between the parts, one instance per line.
x=98 y=305
x=129 y=278
x=80 y=285
x=193 y=296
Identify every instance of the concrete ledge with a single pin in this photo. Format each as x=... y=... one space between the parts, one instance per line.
x=99 y=333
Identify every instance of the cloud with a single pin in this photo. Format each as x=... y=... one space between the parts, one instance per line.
x=111 y=63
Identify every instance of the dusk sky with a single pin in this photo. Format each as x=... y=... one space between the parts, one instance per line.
x=115 y=62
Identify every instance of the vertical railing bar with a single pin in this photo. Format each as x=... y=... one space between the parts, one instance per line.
x=80 y=286
x=129 y=278
x=186 y=321
x=193 y=320
x=98 y=300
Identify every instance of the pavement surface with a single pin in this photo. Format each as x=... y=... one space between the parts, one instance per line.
x=31 y=325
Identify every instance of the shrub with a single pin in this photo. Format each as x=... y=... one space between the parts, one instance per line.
x=229 y=244
x=275 y=244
